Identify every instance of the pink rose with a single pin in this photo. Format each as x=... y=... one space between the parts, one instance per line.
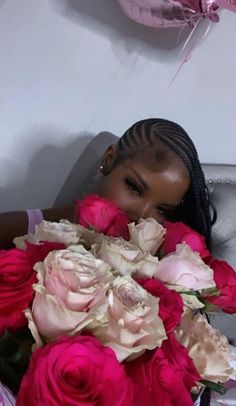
x=170 y=304
x=225 y=279
x=184 y=269
x=160 y=381
x=71 y=293
x=102 y=215
x=178 y=233
x=75 y=371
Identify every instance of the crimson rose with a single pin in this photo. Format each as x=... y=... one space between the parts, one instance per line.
x=75 y=371
x=16 y=279
x=170 y=304
x=225 y=280
x=163 y=377
x=16 y=293
x=102 y=215
x=178 y=233
x=38 y=252
x=177 y=355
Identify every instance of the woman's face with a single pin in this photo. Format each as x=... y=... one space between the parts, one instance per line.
x=143 y=193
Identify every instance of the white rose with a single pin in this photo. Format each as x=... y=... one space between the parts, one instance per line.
x=209 y=350
x=148 y=234
x=125 y=257
x=70 y=294
x=133 y=322
x=64 y=232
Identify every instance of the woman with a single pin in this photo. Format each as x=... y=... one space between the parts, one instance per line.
x=153 y=171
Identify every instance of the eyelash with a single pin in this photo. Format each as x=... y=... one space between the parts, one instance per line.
x=134 y=187
x=161 y=211
x=138 y=191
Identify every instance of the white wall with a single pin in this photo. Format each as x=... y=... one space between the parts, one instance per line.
x=72 y=68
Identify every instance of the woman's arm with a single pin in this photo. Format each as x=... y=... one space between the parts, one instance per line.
x=15 y=223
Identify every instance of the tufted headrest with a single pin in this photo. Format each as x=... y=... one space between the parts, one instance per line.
x=221 y=182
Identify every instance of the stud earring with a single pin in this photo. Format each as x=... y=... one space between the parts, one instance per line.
x=101 y=168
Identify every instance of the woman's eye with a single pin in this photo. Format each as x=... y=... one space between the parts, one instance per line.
x=134 y=187
x=162 y=212
x=169 y=214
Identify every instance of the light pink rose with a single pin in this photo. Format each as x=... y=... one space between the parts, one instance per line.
x=148 y=235
x=184 y=269
x=71 y=293
x=133 y=322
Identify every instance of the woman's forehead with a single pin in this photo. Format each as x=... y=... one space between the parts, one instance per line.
x=172 y=181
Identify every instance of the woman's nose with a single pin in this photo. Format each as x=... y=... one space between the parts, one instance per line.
x=144 y=211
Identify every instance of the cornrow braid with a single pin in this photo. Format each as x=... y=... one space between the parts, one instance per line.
x=159 y=134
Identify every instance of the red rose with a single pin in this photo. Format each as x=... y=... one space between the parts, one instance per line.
x=178 y=233
x=16 y=279
x=225 y=279
x=177 y=355
x=38 y=252
x=160 y=382
x=170 y=304
x=102 y=215
x=16 y=293
x=75 y=371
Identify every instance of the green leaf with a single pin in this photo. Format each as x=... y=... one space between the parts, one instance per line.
x=91 y=227
x=210 y=307
x=216 y=387
x=191 y=293
x=15 y=352
x=210 y=292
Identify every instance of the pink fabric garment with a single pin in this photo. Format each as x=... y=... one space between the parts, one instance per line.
x=35 y=217
x=6 y=397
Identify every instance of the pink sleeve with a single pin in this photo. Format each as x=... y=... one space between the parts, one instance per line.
x=35 y=217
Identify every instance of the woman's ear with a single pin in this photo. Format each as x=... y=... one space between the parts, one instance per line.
x=108 y=159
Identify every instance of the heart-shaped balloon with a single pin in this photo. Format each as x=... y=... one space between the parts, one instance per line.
x=174 y=13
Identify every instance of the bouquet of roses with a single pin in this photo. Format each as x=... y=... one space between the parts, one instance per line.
x=115 y=313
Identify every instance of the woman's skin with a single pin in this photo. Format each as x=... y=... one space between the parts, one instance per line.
x=142 y=192
x=138 y=191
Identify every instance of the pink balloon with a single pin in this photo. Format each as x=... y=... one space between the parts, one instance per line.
x=173 y=13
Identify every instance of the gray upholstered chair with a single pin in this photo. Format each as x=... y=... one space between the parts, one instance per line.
x=221 y=180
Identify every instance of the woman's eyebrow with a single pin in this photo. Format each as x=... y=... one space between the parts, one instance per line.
x=141 y=180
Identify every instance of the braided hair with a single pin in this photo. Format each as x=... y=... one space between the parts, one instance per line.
x=162 y=140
